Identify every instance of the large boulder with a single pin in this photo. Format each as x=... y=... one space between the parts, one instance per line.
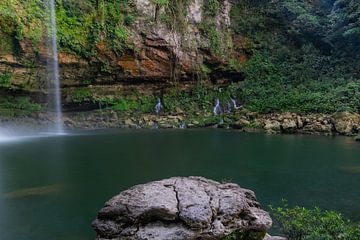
x=289 y=126
x=183 y=208
x=346 y=123
x=272 y=126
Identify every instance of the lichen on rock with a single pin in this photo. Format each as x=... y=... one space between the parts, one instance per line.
x=183 y=208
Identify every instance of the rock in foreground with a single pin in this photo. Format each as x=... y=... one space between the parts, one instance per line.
x=182 y=208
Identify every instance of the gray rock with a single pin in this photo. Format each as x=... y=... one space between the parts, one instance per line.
x=289 y=126
x=357 y=138
x=182 y=208
x=345 y=123
x=272 y=125
x=268 y=237
x=317 y=127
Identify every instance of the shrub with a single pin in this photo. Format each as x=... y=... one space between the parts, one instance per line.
x=268 y=88
x=299 y=223
x=13 y=106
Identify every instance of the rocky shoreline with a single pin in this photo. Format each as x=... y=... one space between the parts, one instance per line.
x=344 y=123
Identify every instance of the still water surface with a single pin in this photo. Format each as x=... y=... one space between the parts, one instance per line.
x=52 y=187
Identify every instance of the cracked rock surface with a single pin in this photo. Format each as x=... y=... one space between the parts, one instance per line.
x=182 y=208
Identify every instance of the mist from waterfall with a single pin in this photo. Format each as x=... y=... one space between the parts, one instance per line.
x=54 y=94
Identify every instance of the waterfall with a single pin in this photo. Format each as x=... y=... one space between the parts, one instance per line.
x=54 y=95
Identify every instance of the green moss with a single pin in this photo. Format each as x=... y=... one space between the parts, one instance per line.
x=23 y=19
x=126 y=105
x=175 y=16
x=5 y=80
x=161 y=3
x=143 y=104
x=218 y=41
x=7 y=44
x=211 y=7
x=14 y=106
x=215 y=41
x=82 y=95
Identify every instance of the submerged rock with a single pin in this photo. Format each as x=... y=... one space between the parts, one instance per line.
x=272 y=126
x=268 y=237
x=182 y=208
x=357 y=138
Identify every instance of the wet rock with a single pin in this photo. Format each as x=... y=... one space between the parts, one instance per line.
x=272 y=125
x=317 y=127
x=346 y=123
x=299 y=122
x=165 y=125
x=269 y=237
x=241 y=123
x=182 y=208
x=289 y=126
x=357 y=138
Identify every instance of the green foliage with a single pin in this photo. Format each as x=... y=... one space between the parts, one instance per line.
x=129 y=20
x=299 y=223
x=302 y=60
x=21 y=105
x=82 y=95
x=215 y=40
x=121 y=33
x=73 y=30
x=22 y=19
x=5 y=80
x=175 y=15
x=144 y=104
x=268 y=89
x=126 y=105
x=82 y=25
x=161 y=3
x=211 y=7
x=345 y=25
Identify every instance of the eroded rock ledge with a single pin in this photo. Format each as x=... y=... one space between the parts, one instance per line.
x=182 y=208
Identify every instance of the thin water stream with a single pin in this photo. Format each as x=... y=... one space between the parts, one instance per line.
x=53 y=71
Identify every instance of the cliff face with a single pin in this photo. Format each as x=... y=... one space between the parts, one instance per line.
x=297 y=56
x=162 y=44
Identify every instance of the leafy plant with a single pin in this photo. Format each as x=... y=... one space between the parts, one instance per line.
x=82 y=95
x=5 y=80
x=18 y=105
x=211 y=7
x=299 y=223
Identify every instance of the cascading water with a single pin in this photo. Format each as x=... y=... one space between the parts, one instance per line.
x=54 y=95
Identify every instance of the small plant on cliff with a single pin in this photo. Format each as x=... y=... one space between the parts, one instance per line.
x=161 y=3
x=82 y=95
x=20 y=105
x=5 y=80
x=211 y=7
x=299 y=223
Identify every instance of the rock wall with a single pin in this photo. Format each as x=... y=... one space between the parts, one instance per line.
x=155 y=52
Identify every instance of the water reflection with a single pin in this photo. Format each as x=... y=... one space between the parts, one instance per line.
x=56 y=183
x=35 y=191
